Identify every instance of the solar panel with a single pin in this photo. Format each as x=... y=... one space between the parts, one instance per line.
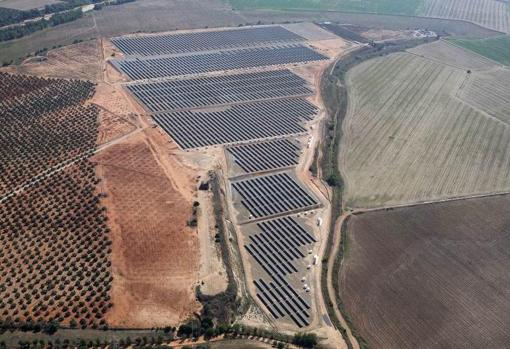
x=266 y=196
x=264 y=156
x=238 y=123
x=218 y=90
x=182 y=65
x=152 y=45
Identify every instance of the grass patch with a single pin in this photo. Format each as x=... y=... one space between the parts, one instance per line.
x=392 y=7
x=497 y=48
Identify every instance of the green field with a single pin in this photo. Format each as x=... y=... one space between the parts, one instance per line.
x=497 y=49
x=398 y=7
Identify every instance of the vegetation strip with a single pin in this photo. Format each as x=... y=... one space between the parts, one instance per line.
x=334 y=94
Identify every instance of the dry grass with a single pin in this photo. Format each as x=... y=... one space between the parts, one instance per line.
x=491 y=14
x=407 y=138
x=433 y=276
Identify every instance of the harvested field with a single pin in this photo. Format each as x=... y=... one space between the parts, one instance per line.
x=497 y=49
x=489 y=92
x=446 y=53
x=491 y=14
x=155 y=255
x=408 y=139
x=431 y=276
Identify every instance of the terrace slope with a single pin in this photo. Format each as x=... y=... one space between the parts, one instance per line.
x=430 y=276
x=407 y=138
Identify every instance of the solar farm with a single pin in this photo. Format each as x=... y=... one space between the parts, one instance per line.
x=265 y=156
x=203 y=41
x=238 y=123
x=219 y=90
x=241 y=89
x=199 y=63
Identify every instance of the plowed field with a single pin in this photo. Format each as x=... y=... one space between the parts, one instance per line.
x=431 y=276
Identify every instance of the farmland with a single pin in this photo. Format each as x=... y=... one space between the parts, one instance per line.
x=399 y=7
x=407 y=138
x=48 y=185
x=491 y=14
x=497 y=48
x=430 y=276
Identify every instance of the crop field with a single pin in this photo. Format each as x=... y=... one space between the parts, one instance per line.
x=400 y=7
x=431 y=276
x=155 y=255
x=55 y=246
x=490 y=92
x=491 y=14
x=217 y=90
x=407 y=138
x=443 y=52
x=497 y=49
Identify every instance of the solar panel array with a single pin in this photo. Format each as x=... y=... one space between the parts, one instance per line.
x=244 y=122
x=201 y=41
x=265 y=196
x=276 y=247
x=264 y=156
x=149 y=68
x=215 y=90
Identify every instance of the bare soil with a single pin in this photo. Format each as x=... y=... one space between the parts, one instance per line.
x=155 y=254
x=79 y=61
x=430 y=276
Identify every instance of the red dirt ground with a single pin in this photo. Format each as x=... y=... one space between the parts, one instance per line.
x=155 y=255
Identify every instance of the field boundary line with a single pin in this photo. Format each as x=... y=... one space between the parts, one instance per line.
x=429 y=202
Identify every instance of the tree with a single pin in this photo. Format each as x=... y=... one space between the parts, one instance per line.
x=305 y=340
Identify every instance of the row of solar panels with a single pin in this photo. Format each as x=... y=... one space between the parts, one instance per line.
x=170 y=95
x=238 y=123
x=264 y=156
x=270 y=195
x=150 y=68
x=153 y=45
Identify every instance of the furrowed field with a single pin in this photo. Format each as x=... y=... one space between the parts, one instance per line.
x=431 y=276
x=487 y=13
x=408 y=138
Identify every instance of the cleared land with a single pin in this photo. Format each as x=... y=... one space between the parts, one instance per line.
x=407 y=138
x=497 y=49
x=491 y=14
x=155 y=255
x=432 y=276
